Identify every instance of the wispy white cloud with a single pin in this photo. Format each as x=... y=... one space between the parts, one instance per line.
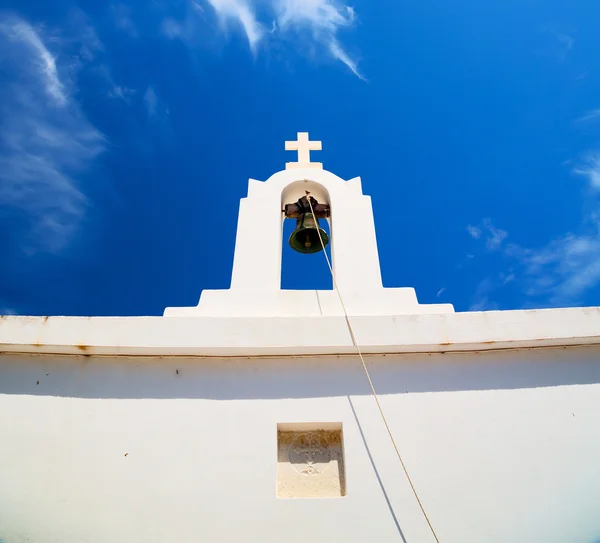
x=242 y=12
x=172 y=29
x=481 y=299
x=118 y=91
x=122 y=17
x=323 y=14
x=590 y=168
x=312 y=25
x=474 y=231
x=590 y=116
x=187 y=27
x=45 y=140
x=494 y=237
x=323 y=19
x=558 y=273
x=18 y=32
x=440 y=292
x=85 y=35
x=113 y=90
x=150 y=101
x=563 y=270
x=559 y=43
x=90 y=56
x=156 y=108
x=339 y=54
x=566 y=44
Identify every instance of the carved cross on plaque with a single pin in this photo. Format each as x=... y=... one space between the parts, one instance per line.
x=310 y=460
x=309 y=450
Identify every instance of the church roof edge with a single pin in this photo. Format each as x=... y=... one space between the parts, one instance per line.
x=296 y=336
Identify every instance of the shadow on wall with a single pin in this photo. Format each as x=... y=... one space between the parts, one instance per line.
x=108 y=377
x=376 y=471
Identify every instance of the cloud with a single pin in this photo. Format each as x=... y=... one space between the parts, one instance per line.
x=494 y=237
x=105 y=79
x=566 y=44
x=558 y=43
x=589 y=116
x=440 y=292
x=323 y=19
x=312 y=22
x=242 y=12
x=558 y=273
x=563 y=270
x=474 y=231
x=186 y=27
x=590 y=168
x=118 y=91
x=481 y=299
x=18 y=32
x=157 y=110
x=341 y=55
x=150 y=101
x=90 y=55
x=86 y=38
x=45 y=140
x=172 y=29
x=122 y=18
x=322 y=14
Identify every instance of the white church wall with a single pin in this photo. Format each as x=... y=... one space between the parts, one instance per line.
x=502 y=446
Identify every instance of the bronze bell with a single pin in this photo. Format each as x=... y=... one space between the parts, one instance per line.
x=305 y=238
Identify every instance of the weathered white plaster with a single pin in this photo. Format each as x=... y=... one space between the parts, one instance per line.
x=502 y=447
x=221 y=336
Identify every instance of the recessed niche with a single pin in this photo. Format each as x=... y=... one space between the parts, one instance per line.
x=310 y=460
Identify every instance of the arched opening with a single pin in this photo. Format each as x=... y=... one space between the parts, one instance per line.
x=304 y=271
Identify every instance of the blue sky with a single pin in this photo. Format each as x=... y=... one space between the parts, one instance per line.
x=128 y=132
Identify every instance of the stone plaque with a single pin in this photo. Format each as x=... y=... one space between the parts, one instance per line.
x=310 y=461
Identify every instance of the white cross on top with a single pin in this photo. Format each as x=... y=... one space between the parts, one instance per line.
x=304 y=147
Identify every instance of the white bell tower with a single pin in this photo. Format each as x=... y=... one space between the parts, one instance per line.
x=256 y=279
